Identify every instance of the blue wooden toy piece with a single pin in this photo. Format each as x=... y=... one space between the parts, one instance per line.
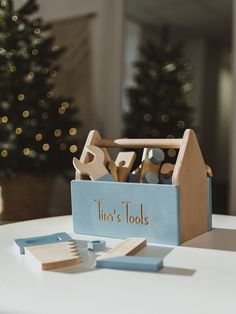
x=134 y=178
x=151 y=177
x=165 y=180
x=166 y=173
x=96 y=245
x=52 y=238
x=142 y=263
x=129 y=210
x=156 y=155
x=151 y=166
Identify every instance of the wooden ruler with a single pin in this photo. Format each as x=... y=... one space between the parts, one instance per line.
x=130 y=246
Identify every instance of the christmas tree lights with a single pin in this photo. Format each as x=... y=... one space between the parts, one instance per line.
x=160 y=97
x=38 y=128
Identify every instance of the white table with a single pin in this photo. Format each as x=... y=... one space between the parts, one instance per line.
x=193 y=280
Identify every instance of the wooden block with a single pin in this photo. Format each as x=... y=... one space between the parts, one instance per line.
x=129 y=246
x=54 y=255
x=141 y=263
x=124 y=163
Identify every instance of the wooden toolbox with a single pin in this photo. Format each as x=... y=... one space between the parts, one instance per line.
x=164 y=213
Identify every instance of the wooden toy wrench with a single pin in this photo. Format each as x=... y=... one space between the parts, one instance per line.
x=94 y=169
x=85 y=157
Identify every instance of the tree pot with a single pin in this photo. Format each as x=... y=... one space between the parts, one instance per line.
x=26 y=197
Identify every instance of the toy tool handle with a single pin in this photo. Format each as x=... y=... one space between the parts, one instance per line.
x=140 y=143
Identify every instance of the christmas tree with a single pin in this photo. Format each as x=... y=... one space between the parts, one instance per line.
x=38 y=128
x=159 y=100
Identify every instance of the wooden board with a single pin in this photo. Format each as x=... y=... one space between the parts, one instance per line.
x=52 y=256
x=190 y=175
x=129 y=246
x=140 y=263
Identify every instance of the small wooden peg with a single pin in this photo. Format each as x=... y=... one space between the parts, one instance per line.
x=166 y=172
x=167 y=169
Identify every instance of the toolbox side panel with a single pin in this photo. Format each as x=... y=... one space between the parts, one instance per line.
x=127 y=210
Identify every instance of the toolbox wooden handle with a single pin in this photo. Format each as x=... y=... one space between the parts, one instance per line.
x=139 y=143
